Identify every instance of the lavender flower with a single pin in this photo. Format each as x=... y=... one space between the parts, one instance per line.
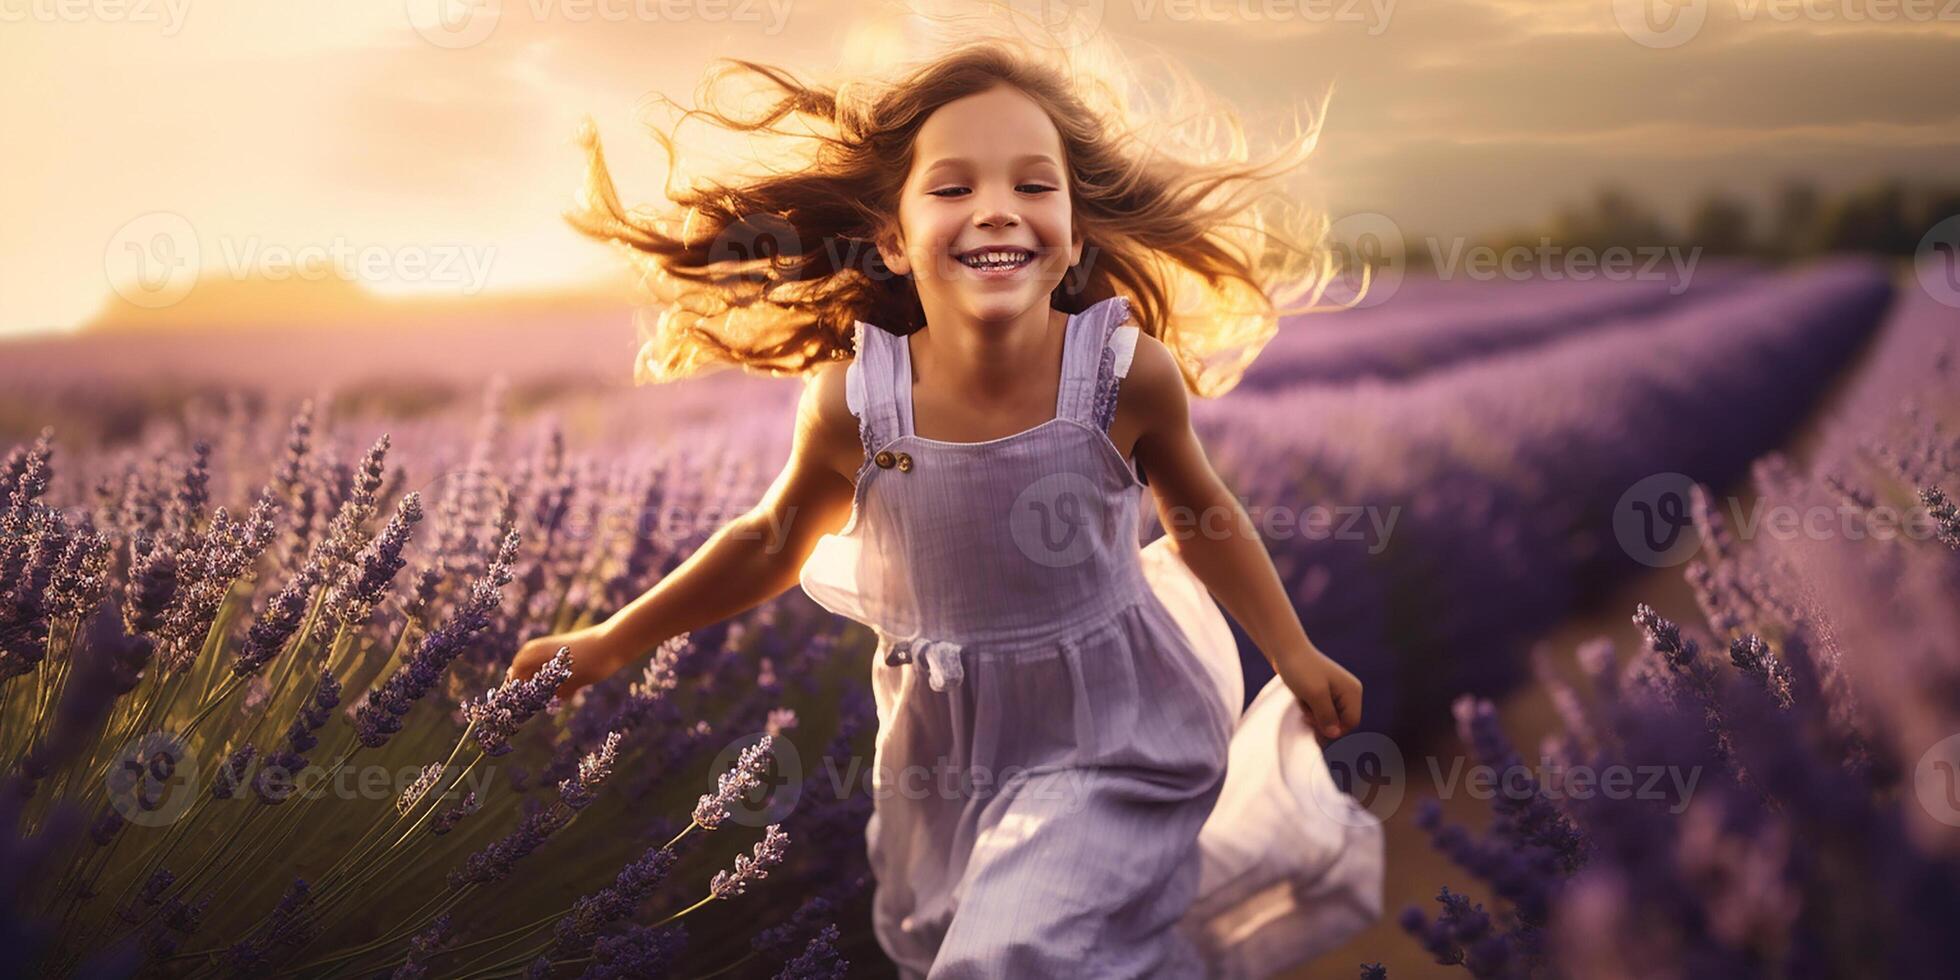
x=767 y=853
x=154 y=585
x=447 y=820
x=579 y=791
x=187 y=504
x=107 y=825
x=575 y=933
x=205 y=575
x=353 y=601
x=819 y=960
x=285 y=925
x=1946 y=517
x=419 y=788
x=1754 y=658
x=425 y=944
x=276 y=779
x=494 y=861
x=499 y=714
x=158 y=883
x=380 y=718
x=232 y=773
x=281 y=619
x=639 y=951
x=423 y=594
x=81 y=579
x=745 y=775
x=344 y=536
x=314 y=714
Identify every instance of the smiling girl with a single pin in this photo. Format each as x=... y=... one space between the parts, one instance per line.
x=976 y=272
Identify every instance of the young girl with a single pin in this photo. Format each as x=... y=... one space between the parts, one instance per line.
x=1056 y=706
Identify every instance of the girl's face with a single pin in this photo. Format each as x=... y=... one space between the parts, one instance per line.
x=984 y=219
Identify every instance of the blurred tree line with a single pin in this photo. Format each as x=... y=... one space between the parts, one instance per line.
x=1886 y=217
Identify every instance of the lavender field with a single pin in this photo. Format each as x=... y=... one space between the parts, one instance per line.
x=257 y=609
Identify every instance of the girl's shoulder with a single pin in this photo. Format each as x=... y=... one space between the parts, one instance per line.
x=836 y=388
x=1152 y=387
x=828 y=414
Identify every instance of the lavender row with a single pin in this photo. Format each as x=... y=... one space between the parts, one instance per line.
x=196 y=627
x=1420 y=325
x=1423 y=527
x=1811 y=700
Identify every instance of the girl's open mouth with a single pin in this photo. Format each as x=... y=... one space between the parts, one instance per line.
x=989 y=262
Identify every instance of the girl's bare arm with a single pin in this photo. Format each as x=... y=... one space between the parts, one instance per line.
x=746 y=562
x=756 y=557
x=1221 y=544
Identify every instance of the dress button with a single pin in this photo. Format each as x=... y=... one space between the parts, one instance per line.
x=905 y=462
x=884 y=459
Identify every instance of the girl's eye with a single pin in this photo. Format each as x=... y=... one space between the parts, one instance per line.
x=953 y=191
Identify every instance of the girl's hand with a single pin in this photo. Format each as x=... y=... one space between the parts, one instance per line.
x=1330 y=695
x=596 y=655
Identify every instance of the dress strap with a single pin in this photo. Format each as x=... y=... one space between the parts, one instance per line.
x=871 y=386
x=1101 y=342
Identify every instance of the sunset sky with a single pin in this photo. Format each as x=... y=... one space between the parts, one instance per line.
x=341 y=126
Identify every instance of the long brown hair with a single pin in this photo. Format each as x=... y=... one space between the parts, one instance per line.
x=770 y=272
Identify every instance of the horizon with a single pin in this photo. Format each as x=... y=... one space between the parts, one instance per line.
x=367 y=131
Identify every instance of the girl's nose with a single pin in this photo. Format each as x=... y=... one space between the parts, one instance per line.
x=995 y=218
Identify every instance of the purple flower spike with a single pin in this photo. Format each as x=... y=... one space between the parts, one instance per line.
x=576 y=932
x=819 y=959
x=498 y=714
x=448 y=819
x=419 y=788
x=278 y=623
x=745 y=775
x=768 y=852
x=640 y=951
x=426 y=943
x=381 y=717
x=580 y=790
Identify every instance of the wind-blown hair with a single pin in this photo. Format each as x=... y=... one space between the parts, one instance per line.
x=769 y=272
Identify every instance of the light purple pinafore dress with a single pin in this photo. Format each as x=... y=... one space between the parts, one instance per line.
x=1057 y=708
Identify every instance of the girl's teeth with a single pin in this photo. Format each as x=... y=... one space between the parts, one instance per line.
x=995 y=260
